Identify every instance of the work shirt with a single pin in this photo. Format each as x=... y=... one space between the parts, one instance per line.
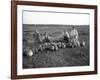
x=74 y=33
x=66 y=36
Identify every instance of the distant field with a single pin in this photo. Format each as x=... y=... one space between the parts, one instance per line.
x=63 y=57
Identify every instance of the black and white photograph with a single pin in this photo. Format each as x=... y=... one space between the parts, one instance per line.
x=55 y=39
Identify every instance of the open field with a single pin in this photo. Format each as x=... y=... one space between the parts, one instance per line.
x=78 y=56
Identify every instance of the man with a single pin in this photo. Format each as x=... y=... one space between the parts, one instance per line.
x=74 y=35
x=37 y=36
x=37 y=39
x=66 y=36
x=46 y=37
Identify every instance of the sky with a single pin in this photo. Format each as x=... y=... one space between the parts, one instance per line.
x=35 y=17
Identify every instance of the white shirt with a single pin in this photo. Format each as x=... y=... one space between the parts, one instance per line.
x=74 y=33
x=66 y=34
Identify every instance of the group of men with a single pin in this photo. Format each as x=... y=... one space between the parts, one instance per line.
x=67 y=37
x=71 y=36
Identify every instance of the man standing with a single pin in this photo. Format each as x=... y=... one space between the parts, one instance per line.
x=37 y=36
x=37 y=39
x=74 y=35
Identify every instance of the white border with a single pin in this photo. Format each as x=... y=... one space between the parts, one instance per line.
x=21 y=71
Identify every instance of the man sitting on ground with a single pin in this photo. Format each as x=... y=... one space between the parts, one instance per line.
x=66 y=36
x=46 y=37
